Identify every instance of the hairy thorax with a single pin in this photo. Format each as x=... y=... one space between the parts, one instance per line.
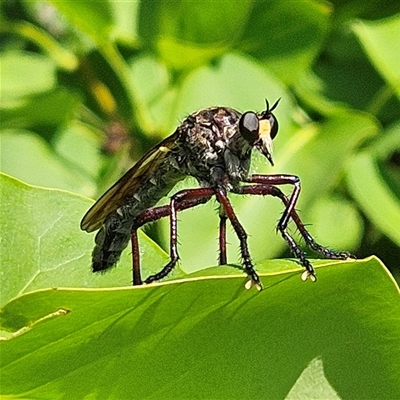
x=212 y=150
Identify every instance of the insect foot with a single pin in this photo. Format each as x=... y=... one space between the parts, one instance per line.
x=250 y=283
x=308 y=274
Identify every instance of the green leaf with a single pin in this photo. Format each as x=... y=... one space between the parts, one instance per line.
x=85 y=158
x=43 y=246
x=125 y=15
x=312 y=384
x=154 y=87
x=208 y=337
x=380 y=40
x=93 y=17
x=40 y=111
x=24 y=73
x=235 y=81
x=334 y=215
x=30 y=95
x=28 y=157
x=188 y=34
x=374 y=195
x=274 y=36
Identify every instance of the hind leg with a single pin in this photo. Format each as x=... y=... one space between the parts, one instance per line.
x=180 y=201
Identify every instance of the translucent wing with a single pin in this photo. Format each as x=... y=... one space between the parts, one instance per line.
x=127 y=184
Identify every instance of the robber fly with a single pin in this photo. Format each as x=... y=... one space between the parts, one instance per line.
x=213 y=145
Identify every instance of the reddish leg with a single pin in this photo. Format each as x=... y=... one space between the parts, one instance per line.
x=137 y=279
x=282 y=179
x=222 y=236
x=242 y=235
x=180 y=201
x=269 y=189
x=291 y=212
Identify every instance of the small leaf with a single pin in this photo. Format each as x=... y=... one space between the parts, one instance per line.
x=332 y=216
x=188 y=34
x=40 y=111
x=24 y=73
x=92 y=17
x=274 y=36
x=27 y=156
x=374 y=196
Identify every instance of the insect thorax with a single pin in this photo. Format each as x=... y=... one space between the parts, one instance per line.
x=212 y=149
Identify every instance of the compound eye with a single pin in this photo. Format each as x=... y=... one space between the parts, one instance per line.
x=274 y=126
x=249 y=126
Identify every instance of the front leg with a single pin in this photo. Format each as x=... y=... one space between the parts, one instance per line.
x=269 y=189
x=281 y=179
x=265 y=189
x=290 y=211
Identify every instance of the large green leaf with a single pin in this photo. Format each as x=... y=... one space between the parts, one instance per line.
x=208 y=337
x=201 y=336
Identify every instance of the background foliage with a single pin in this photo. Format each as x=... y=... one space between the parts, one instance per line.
x=87 y=87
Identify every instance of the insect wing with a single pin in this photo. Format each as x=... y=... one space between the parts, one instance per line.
x=127 y=185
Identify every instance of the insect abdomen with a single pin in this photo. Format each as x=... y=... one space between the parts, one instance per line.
x=110 y=241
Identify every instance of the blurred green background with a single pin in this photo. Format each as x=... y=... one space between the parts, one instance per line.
x=88 y=87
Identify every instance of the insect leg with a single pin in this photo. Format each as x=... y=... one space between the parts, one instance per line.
x=290 y=211
x=137 y=279
x=156 y=213
x=151 y=215
x=268 y=189
x=264 y=189
x=179 y=201
x=242 y=235
x=222 y=236
x=281 y=179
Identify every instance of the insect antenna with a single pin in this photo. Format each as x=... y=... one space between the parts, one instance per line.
x=269 y=110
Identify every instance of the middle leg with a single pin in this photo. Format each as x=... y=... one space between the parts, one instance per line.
x=242 y=235
x=222 y=235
